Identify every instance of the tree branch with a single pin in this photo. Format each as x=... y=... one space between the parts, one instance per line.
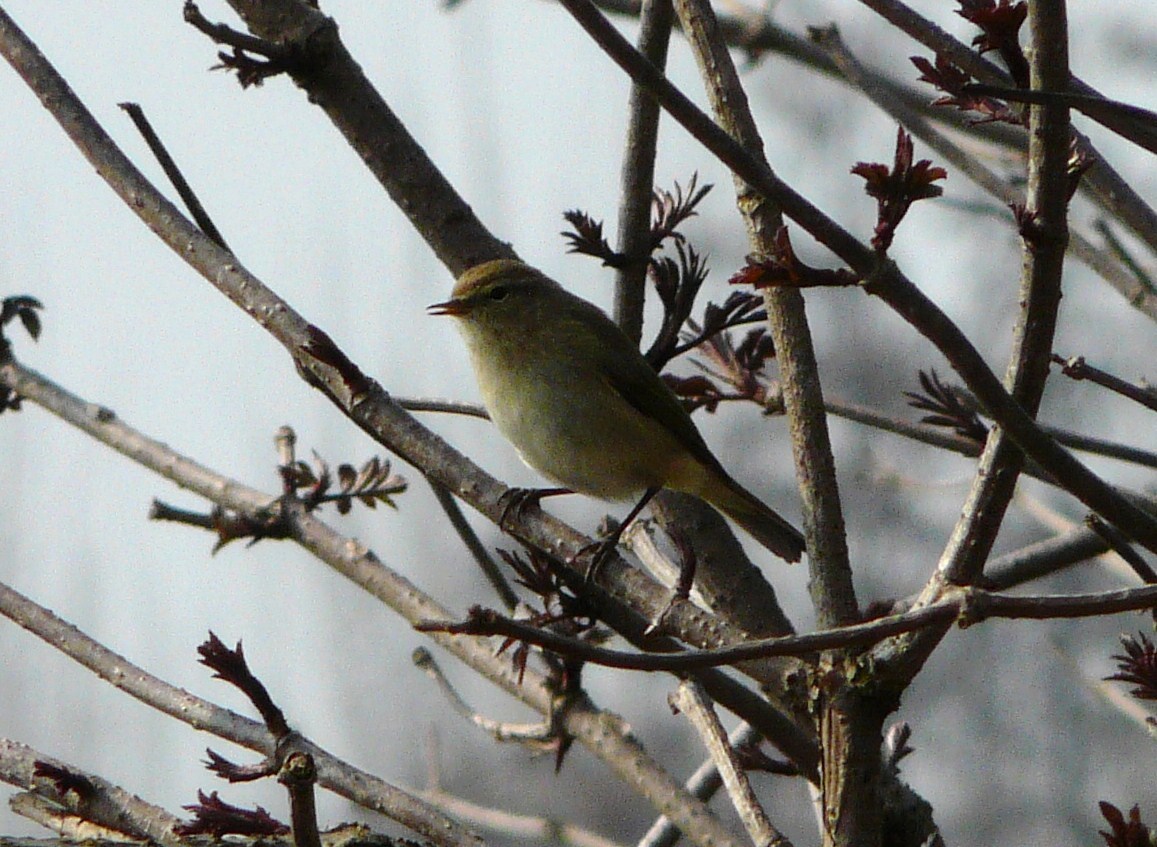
x=1044 y=238
x=637 y=182
x=1105 y=186
x=885 y=281
x=833 y=594
x=1102 y=261
x=690 y=699
x=603 y=734
x=358 y=786
x=966 y=607
x=97 y=802
x=336 y=84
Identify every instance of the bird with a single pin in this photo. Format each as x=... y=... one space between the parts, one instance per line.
x=583 y=407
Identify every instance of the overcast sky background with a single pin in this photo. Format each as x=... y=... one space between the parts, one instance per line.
x=525 y=116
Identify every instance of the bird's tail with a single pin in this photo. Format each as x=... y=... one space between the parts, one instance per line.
x=758 y=519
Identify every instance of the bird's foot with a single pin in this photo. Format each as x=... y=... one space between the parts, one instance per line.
x=515 y=501
x=601 y=550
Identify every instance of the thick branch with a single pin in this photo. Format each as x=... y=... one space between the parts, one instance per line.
x=833 y=594
x=599 y=731
x=336 y=83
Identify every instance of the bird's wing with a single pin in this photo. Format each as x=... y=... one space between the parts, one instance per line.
x=632 y=378
x=637 y=383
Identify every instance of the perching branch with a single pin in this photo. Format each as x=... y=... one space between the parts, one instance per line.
x=580 y=720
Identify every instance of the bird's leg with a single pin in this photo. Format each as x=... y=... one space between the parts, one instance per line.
x=604 y=547
x=518 y=499
x=686 y=579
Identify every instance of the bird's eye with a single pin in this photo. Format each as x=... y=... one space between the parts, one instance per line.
x=498 y=292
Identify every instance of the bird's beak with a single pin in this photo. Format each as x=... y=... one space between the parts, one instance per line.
x=453 y=307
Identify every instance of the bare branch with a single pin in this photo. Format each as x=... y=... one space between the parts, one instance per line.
x=693 y=702
x=173 y=172
x=84 y=796
x=1040 y=296
x=967 y=607
x=638 y=175
x=885 y=281
x=358 y=786
x=1076 y=368
x=609 y=737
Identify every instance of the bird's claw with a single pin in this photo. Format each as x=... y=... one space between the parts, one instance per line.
x=658 y=623
x=515 y=501
x=599 y=551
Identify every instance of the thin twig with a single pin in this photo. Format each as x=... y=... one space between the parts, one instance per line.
x=1102 y=447
x=1076 y=368
x=690 y=699
x=169 y=166
x=224 y=34
x=539 y=830
x=1043 y=558
x=638 y=175
x=967 y=607
x=452 y=407
x=938 y=436
x=1146 y=288
x=538 y=732
x=474 y=544
x=1124 y=549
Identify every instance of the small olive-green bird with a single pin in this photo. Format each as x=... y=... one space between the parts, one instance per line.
x=582 y=406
